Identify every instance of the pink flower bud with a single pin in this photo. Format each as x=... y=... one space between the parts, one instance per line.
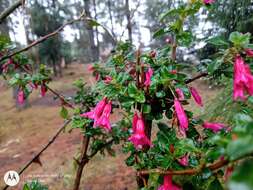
x=173 y=71
x=208 y=2
x=196 y=96
x=184 y=161
x=108 y=79
x=134 y=121
x=181 y=116
x=228 y=172
x=43 y=89
x=215 y=127
x=90 y=68
x=249 y=52
x=148 y=75
x=97 y=77
x=21 y=97
x=180 y=94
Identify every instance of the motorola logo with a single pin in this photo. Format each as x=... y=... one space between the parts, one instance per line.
x=11 y=178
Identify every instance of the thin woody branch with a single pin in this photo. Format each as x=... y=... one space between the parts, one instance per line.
x=196 y=77
x=10 y=10
x=215 y=166
x=45 y=147
x=42 y=39
x=85 y=159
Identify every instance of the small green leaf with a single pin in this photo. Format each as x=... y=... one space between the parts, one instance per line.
x=146 y=108
x=215 y=185
x=64 y=113
x=239 y=39
x=217 y=41
x=26 y=187
x=160 y=32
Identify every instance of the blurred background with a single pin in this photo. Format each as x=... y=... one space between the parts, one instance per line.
x=22 y=133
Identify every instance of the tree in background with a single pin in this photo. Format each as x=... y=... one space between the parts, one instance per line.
x=233 y=15
x=46 y=18
x=4 y=29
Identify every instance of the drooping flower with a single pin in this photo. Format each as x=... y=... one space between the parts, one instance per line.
x=6 y=65
x=196 y=96
x=168 y=184
x=228 y=172
x=21 y=97
x=148 y=75
x=243 y=79
x=134 y=121
x=180 y=94
x=181 y=116
x=90 y=68
x=249 y=52
x=173 y=71
x=108 y=79
x=97 y=76
x=139 y=138
x=184 y=161
x=104 y=119
x=97 y=111
x=43 y=89
x=215 y=127
x=208 y=2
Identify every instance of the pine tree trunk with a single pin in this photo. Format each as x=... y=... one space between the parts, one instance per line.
x=90 y=32
x=129 y=24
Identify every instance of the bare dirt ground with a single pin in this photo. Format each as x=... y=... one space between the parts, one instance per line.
x=23 y=133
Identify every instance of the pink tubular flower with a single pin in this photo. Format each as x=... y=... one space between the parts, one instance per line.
x=196 y=96
x=181 y=116
x=43 y=89
x=104 y=119
x=168 y=184
x=208 y=2
x=97 y=111
x=228 y=172
x=148 y=75
x=97 y=77
x=134 y=121
x=243 y=79
x=21 y=96
x=6 y=65
x=249 y=52
x=215 y=127
x=90 y=68
x=180 y=94
x=184 y=161
x=108 y=79
x=139 y=138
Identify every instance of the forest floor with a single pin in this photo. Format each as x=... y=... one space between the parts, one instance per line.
x=23 y=134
